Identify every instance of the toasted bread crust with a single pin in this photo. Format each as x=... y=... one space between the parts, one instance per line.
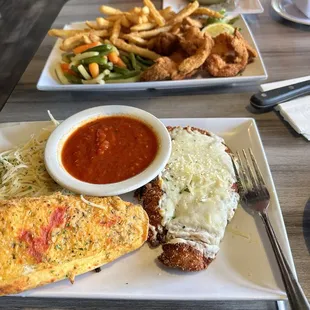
x=110 y=238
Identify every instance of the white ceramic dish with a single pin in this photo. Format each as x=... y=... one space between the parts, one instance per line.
x=254 y=72
x=55 y=168
x=231 y=6
x=288 y=10
x=245 y=268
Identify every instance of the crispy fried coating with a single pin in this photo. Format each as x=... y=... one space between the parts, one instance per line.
x=163 y=69
x=166 y=43
x=228 y=57
x=183 y=256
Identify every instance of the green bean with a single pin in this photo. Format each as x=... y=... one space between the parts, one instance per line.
x=147 y=62
x=128 y=74
x=72 y=78
x=108 y=66
x=106 y=48
x=133 y=61
x=76 y=70
x=100 y=60
x=126 y=60
x=120 y=70
x=141 y=65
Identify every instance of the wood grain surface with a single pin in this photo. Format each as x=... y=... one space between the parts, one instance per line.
x=286 y=52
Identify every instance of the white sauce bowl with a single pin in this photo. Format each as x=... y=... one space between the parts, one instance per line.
x=54 y=145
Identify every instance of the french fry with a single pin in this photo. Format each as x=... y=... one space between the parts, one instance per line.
x=151 y=43
x=166 y=12
x=74 y=41
x=144 y=19
x=136 y=10
x=206 y=11
x=154 y=32
x=125 y=22
x=143 y=27
x=62 y=33
x=154 y=12
x=186 y=11
x=133 y=18
x=92 y=25
x=108 y=10
x=116 y=30
x=135 y=39
x=176 y=28
x=192 y=22
x=103 y=23
x=145 y=10
x=114 y=18
x=131 y=48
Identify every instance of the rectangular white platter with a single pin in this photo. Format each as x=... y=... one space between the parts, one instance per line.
x=231 y=6
x=244 y=269
x=253 y=73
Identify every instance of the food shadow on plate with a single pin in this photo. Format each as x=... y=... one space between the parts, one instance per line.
x=306 y=224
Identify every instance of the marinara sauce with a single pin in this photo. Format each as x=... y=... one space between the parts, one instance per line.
x=109 y=149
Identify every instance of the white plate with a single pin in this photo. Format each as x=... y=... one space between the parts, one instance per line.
x=245 y=267
x=289 y=11
x=231 y=6
x=54 y=166
x=253 y=73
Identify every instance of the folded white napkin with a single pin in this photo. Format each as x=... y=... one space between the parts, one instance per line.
x=296 y=111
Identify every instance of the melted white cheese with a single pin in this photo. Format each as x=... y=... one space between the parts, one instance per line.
x=199 y=199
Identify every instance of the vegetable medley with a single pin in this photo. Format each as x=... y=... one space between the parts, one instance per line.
x=97 y=63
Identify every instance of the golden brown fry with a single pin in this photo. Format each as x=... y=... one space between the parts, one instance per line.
x=103 y=23
x=116 y=30
x=125 y=22
x=71 y=42
x=133 y=18
x=206 y=11
x=145 y=10
x=92 y=25
x=186 y=11
x=176 y=28
x=154 y=32
x=62 y=33
x=136 y=10
x=143 y=27
x=154 y=12
x=134 y=39
x=167 y=13
x=108 y=10
x=151 y=43
x=144 y=19
x=131 y=48
x=114 y=18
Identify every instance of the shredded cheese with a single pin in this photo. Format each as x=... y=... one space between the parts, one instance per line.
x=91 y=203
x=22 y=169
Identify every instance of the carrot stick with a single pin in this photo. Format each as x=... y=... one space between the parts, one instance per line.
x=83 y=48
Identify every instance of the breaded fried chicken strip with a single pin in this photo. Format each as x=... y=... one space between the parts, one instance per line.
x=166 y=43
x=163 y=69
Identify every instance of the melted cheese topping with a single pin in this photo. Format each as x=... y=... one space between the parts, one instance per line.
x=199 y=199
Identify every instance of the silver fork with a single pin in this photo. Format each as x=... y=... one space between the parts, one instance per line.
x=254 y=195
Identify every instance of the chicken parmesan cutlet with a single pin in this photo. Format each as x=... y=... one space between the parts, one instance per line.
x=190 y=203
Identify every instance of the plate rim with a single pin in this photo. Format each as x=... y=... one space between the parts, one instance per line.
x=158 y=85
x=276 y=6
x=238 y=121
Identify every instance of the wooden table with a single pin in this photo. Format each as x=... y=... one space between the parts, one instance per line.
x=286 y=52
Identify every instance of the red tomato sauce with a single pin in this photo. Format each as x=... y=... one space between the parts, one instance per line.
x=37 y=246
x=109 y=149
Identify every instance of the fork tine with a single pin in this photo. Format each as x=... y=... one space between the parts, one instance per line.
x=259 y=177
x=254 y=184
x=256 y=168
x=232 y=156
x=242 y=174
